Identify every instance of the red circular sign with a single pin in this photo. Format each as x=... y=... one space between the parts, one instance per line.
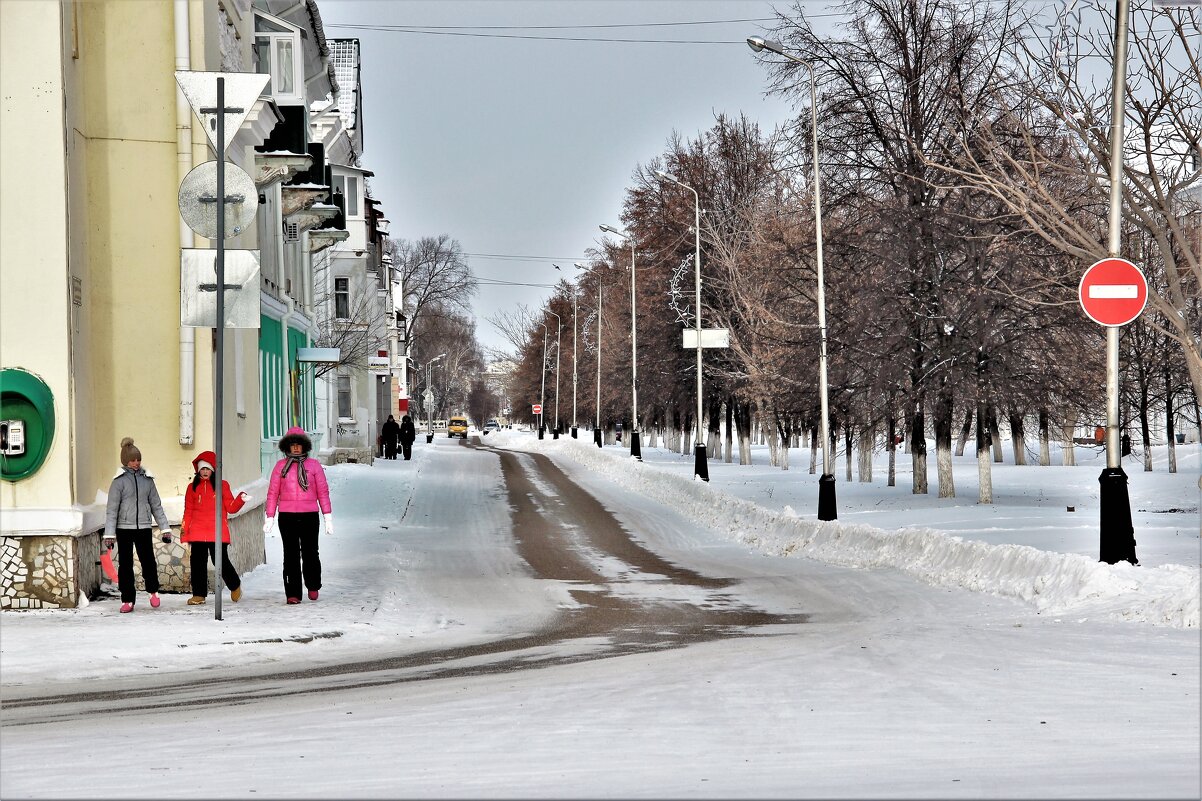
x=537 y=408
x=1113 y=292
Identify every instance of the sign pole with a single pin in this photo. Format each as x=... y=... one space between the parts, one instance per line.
x=1117 y=532
x=219 y=389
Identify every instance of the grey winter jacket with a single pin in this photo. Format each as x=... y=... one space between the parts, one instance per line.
x=133 y=499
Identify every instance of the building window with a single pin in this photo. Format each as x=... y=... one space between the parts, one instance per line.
x=348 y=185
x=344 y=397
x=342 y=298
x=277 y=53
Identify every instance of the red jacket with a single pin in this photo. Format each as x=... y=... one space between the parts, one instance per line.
x=200 y=511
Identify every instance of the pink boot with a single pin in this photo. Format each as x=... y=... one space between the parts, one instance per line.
x=294 y=600
x=127 y=607
x=312 y=595
x=154 y=600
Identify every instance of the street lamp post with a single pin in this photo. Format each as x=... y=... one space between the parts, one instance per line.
x=430 y=412
x=575 y=372
x=826 y=483
x=597 y=439
x=635 y=448
x=701 y=466
x=542 y=394
x=558 y=340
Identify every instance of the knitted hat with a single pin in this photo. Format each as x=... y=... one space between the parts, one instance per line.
x=296 y=434
x=129 y=451
x=204 y=459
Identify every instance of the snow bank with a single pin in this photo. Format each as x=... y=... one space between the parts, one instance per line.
x=1055 y=583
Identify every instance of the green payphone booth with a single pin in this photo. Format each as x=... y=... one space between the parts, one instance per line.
x=26 y=423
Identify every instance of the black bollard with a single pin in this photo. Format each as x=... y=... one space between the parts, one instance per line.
x=574 y=433
x=701 y=467
x=597 y=437
x=826 y=497
x=1118 y=533
x=540 y=432
x=635 y=449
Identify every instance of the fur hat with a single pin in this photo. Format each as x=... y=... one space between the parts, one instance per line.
x=129 y=451
x=204 y=459
x=296 y=434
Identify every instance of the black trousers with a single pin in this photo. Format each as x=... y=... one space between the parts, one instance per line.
x=298 y=533
x=407 y=449
x=390 y=449
x=198 y=564
x=129 y=539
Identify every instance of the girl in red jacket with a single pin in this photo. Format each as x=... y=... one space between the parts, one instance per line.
x=200 y=514
x=298 y=490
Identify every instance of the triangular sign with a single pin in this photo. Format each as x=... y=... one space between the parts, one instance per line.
x=242 y=89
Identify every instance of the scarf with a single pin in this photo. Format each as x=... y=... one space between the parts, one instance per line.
x=302 y=475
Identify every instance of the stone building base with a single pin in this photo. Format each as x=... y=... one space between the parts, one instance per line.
x=52 y=571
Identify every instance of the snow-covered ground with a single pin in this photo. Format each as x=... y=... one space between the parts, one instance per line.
x=987 y=652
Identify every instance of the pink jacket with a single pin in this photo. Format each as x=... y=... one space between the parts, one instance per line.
x=286 y=493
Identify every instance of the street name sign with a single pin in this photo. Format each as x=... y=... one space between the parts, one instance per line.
x=1113 y=292
x=710 y=338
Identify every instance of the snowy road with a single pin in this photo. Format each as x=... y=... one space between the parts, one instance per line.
x=490 y=629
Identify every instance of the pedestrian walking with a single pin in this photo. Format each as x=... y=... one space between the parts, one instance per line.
x=298 y=490
x=200 y=518
x=407 y=434
x=133 y=508
x=390 y=432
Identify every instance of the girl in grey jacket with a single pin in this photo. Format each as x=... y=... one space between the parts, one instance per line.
x=133 y=502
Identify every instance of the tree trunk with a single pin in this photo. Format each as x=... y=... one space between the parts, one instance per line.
x=965 y=431
x=918 y=449
x=984 y=468
x=1169 y=428
x=891 y=446
x=995 y=435
x=813 y=450
x=1018 y=438
x=729 y=439
x=1145 y=433
x=847 y=435
x=1045 y=450
x=865 y=453
x=1070 y=428
x=769 y=433
x=942 y=422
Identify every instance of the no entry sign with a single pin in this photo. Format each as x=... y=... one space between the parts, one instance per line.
x=537 y=408
x=1113 y=292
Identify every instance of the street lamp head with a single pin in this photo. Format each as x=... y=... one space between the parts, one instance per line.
x=609 y=229
x=578 y=265
x=759 y=43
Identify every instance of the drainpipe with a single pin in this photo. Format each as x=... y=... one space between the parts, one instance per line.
x=183 y=150
x=286 y=394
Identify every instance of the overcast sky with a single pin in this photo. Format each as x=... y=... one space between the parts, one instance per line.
x=522 y=147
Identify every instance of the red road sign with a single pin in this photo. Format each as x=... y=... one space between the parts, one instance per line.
x=1113 y=292
x=537 y=408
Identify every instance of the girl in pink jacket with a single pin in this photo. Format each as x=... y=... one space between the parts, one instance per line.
x=298 y=490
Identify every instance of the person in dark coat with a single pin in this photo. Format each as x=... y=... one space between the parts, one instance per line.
x=390 y=432
x=133 y=508
x=407 y=433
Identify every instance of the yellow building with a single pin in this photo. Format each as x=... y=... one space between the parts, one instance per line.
x=95 y=139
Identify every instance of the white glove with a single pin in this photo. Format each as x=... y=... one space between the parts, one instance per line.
x=166 y=534
x=268 y=525
x=329 y=525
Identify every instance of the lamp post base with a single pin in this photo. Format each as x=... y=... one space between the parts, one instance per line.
x=636 y=449
x=555 y=432
x=597 y=437
x=701 y=465
x=540 y=432
x=574 y=433
x=826 y=497
x=429 y=438
x=1118 y=533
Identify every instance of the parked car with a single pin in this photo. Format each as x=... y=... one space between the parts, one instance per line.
x=457 y=427
x=492 y=425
